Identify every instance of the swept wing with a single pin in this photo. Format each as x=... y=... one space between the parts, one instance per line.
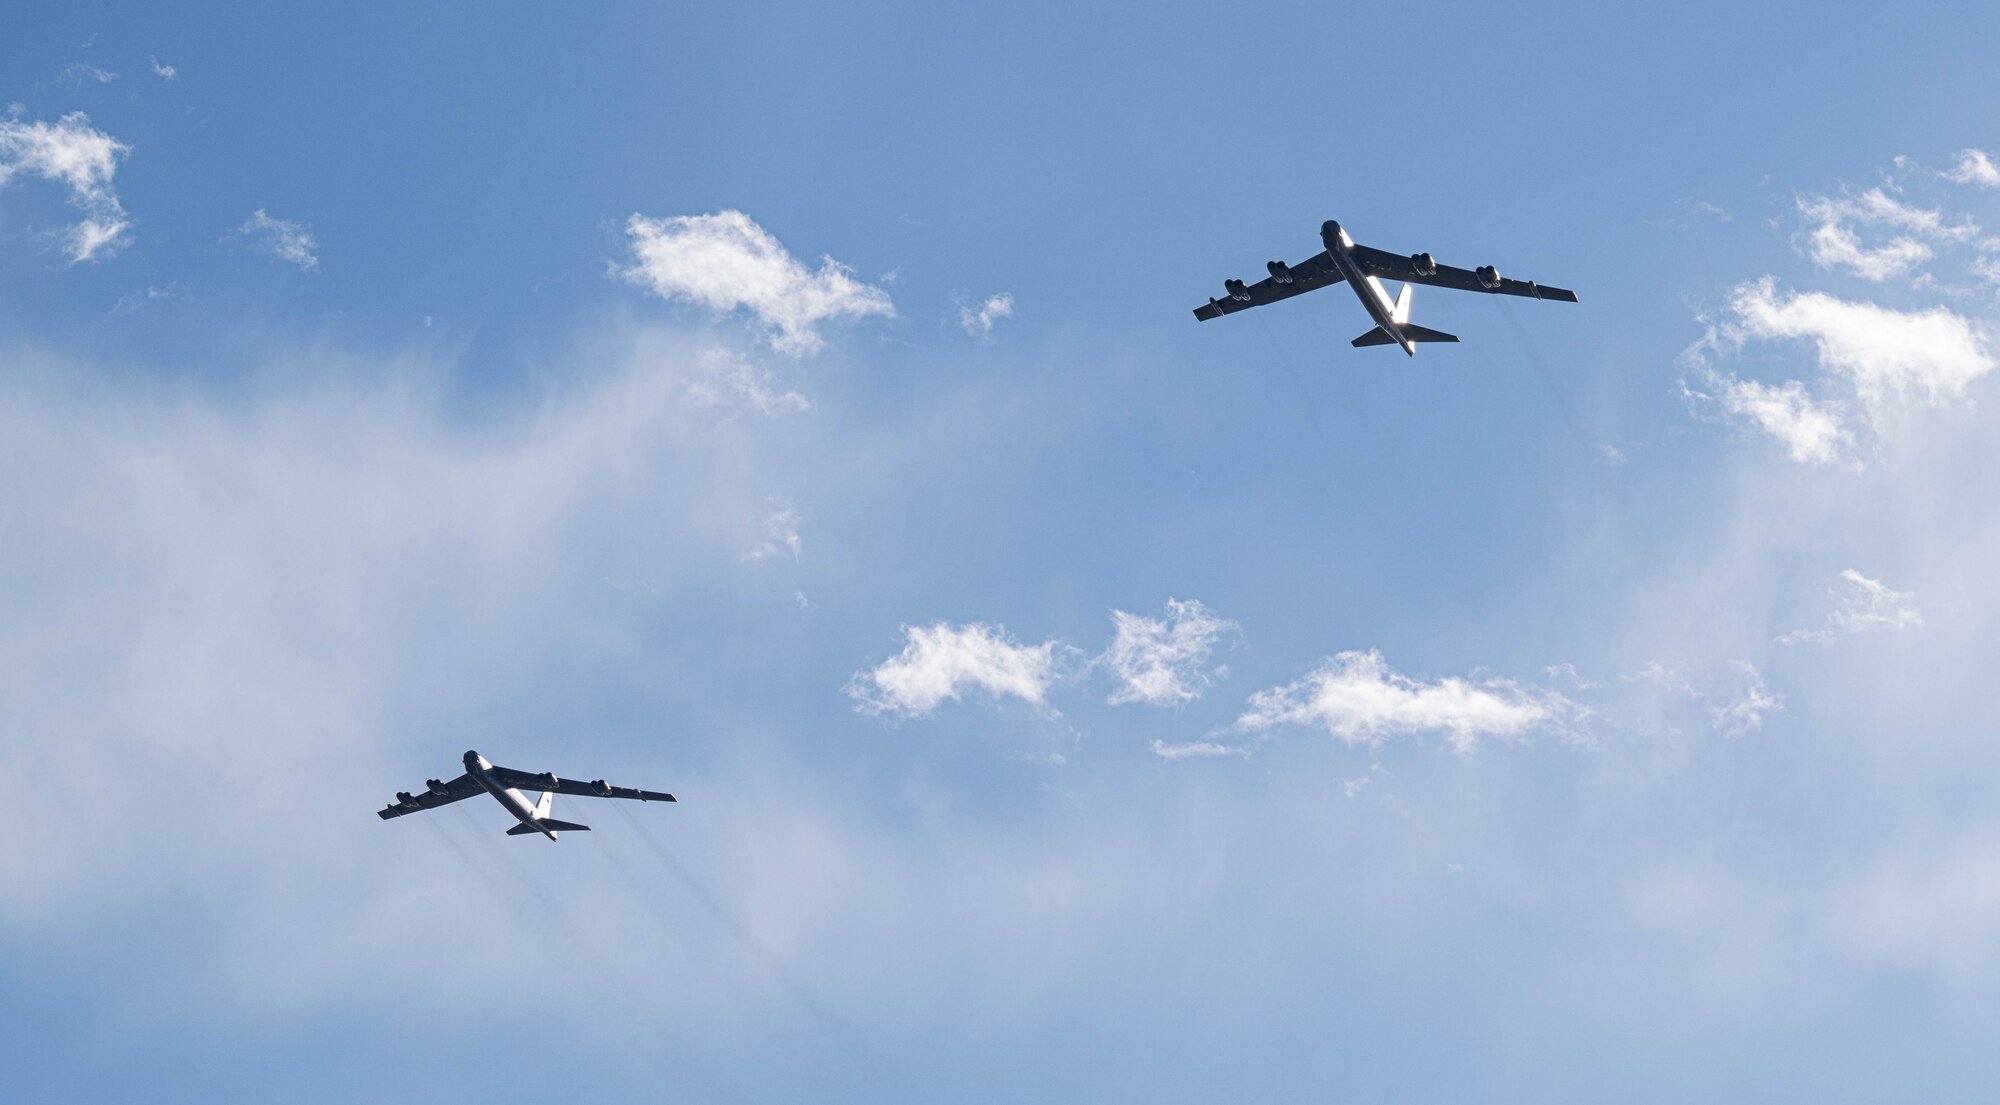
x=528 y=780
x=1317 y=271
x=1398 y=266
x=465 y=786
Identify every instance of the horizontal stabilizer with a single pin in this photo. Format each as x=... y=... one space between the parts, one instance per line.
x=524 y=828
x=1422 y=334
x=1377 y=336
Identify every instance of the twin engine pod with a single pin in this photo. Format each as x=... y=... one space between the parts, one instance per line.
x=1237 y=289
x=1280 y=272
x=1423 y=264
x=1489 y=277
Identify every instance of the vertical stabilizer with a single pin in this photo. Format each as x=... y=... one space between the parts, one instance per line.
x=1400 y=313
x=547 y=803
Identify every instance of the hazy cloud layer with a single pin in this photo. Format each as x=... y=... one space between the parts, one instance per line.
x=725 y=262
x=733 y=380
x=1860 y=605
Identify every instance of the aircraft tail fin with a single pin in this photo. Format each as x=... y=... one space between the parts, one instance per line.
x=1400 y=313
x=544 y=804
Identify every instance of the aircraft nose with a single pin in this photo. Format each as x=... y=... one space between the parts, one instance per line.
x=1329 y=233
x=471 y=758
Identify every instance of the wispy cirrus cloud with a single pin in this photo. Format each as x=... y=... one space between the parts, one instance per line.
x=288 y=241
x=731 y=379
x=1833 y=238
x=1860 y=605
x=72 y=152
x=726 y=262
x=781 y=533
x=979 y=321
x=1359 y=699
x=942 y=662
x=1163 y=661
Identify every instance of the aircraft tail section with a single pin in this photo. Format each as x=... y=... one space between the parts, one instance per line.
x=1422 y=334
x=1400 y=313
x=544 y=804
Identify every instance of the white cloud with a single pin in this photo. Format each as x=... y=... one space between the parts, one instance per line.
x=726 y=262
x=164 y=72
x=1187 y=750
x=1355 y=696
x=781 y=533
x=1164 y=661
x=1833 y=242
x=1975 y=167
x=1860 y=605
x=71 y=151
x=287 y=240
x=1881 y=357
x=734 y=380
x=1812 y=433
x=1885 y=355
x=941 y=662
x=1745 y=712
x=980 y=323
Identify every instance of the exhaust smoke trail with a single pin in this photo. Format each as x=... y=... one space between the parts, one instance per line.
x=771 y=961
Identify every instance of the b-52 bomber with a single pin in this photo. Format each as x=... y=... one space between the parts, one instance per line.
x=1364 y=268
x=506 y=784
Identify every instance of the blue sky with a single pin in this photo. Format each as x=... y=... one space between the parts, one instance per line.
x=800 y=410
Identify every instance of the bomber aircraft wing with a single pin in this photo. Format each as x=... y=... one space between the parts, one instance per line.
x=437 y=794
x=1285 y=281
x=1397 y=266
x=597 y=788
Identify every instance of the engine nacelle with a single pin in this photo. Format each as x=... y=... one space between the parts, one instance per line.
x=548 y=780
x=1489 y=277
x=1424 y=264
x=435 y=786
x=1280 y=271
x=1237 y=289
x=600 y=788
x=405 y=799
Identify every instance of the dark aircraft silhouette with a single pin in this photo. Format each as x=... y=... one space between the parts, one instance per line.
x=1364 y=268
x=505 y=785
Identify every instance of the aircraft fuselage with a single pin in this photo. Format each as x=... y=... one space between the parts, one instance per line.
x=1374 y=299
x=480 y=768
